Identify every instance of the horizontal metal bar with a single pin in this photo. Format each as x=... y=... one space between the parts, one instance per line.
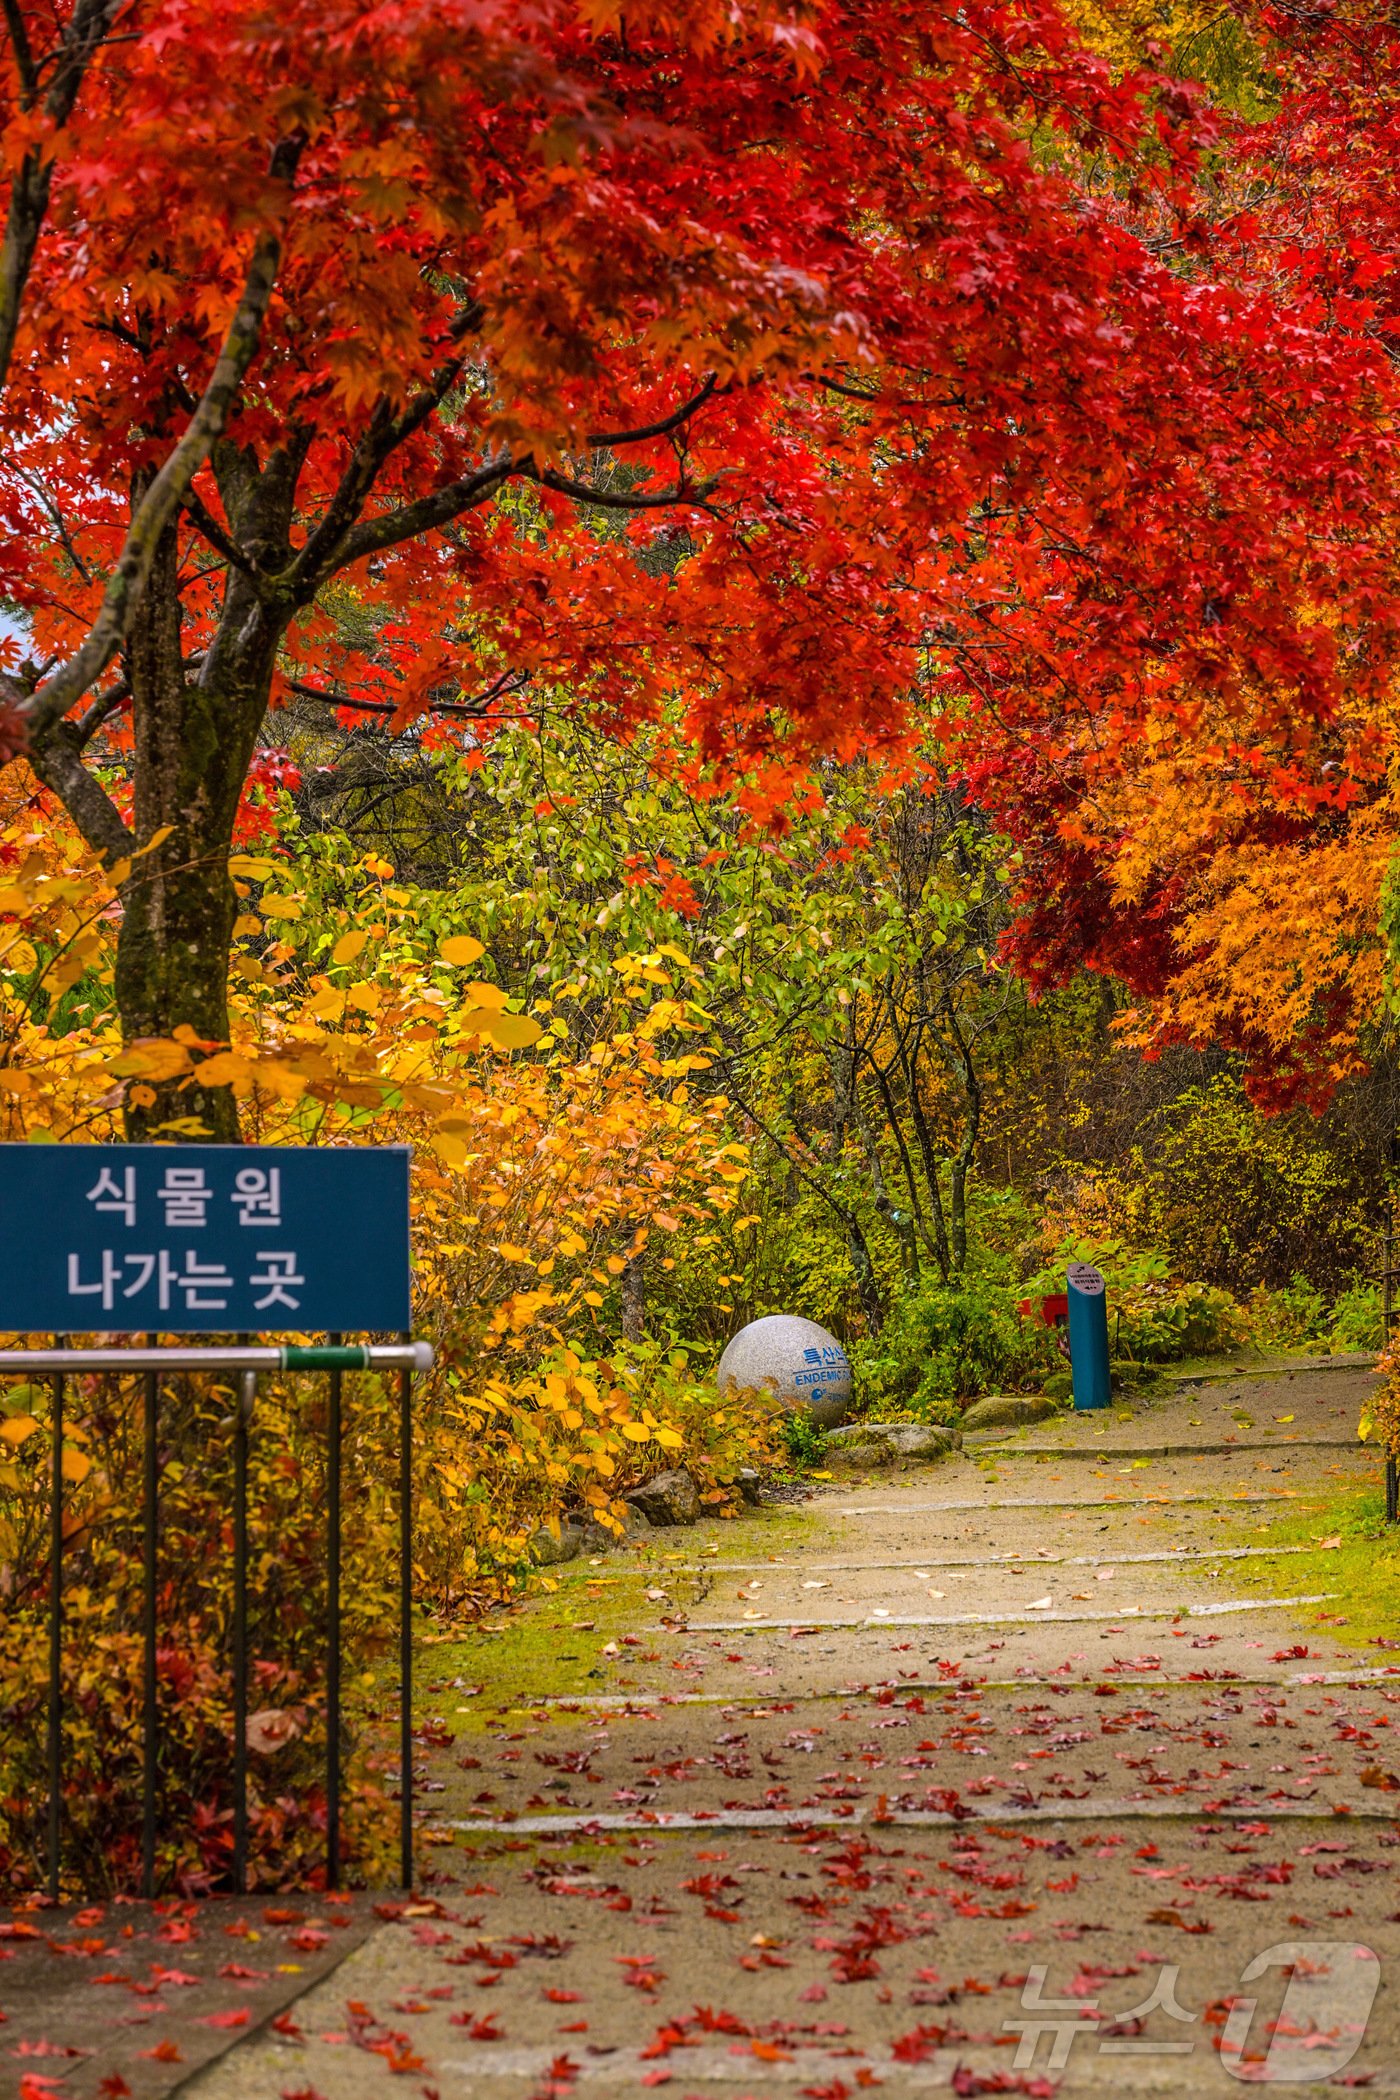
x=373 y=1356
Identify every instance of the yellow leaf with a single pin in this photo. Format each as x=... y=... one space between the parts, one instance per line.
x=508 y=1250
x=461 y=950
x=511 y=1031
x=349 y=946
x=636 y=1432
x=246 y=924
x=16 y=1428
x=368 y=997
x=670 y=1439
x=281 y=907
x=76 y=1465
x=489 y=995
x=247 y=864
x=592 y=1298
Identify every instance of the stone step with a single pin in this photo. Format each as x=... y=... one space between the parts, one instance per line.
x=880 y=1620
x=976 y=1447
x=841 y=1815
x=1039 y=1557
x=1227 y=1497
x=1357 y=1360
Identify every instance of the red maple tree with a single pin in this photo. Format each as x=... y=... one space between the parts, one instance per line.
x=780 y=364
x=1227 y=865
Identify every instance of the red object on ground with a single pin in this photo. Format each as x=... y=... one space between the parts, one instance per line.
x=1049 y=1311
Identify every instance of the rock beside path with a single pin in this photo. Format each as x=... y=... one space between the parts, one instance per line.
x=890 y=1443
x=1009 y=1411
x=670 y=1498
x=547 y=1551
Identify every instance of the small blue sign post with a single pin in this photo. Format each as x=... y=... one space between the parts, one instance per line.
x=1088 y=1336
x=204 y=1239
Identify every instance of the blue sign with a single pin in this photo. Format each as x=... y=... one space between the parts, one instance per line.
x=822 y=1367
x=203 y=1239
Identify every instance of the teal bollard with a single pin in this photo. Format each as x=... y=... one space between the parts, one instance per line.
x=1088 y=1337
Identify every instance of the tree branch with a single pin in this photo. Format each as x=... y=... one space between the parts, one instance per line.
x=24 y=56
x=426 y=515
x=473 y=710
x=321 y=556
x=103 y=707
x=209 y=528
x=167 y=492
x=607 y=499
x=655 y=430
x=58 y=760
x=36 y=483
x=29 y=190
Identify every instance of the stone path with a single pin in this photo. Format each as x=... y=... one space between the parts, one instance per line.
x=994 y=1776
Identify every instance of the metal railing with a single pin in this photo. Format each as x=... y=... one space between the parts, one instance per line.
x=404 y=1357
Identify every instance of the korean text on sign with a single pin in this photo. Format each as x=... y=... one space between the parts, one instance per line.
x=204 y=1238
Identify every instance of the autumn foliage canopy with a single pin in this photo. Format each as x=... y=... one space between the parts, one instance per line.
x=802 y=369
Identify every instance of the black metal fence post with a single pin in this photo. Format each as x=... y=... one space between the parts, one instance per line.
x=243 y=1412
x=406 y=1623
x=55 y=1743
x=150 y=1528
x=333 y=1444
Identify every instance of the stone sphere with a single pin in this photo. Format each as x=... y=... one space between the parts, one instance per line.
x=801 y=1364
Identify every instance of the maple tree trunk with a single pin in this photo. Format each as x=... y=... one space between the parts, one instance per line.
x=194 y=736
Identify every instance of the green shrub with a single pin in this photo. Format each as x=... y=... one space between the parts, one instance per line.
x=946 y=1343
x=1287 y=1317
x=1161 y=1322
x=803 y=1441
x=1356 y=1318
